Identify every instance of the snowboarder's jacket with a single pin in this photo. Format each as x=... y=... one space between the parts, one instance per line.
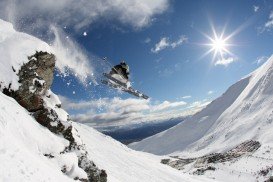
x=121 y=69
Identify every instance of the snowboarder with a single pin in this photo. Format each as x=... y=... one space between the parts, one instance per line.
x=118 y=78
x=122 y=69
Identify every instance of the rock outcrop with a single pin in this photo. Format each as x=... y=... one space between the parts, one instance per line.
x=35 y=78
x=202 y=163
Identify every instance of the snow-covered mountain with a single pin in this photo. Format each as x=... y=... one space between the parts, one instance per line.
x=244 y=113
x=38 y=142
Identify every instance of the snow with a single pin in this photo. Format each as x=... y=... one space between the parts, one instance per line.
x=23 y=145
x=124 y=164
x=16 y=47
x=52 y=101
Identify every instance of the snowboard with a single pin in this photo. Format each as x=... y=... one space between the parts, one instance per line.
x=122 y=86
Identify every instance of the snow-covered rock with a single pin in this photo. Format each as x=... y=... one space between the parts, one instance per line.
x=27 y=75
x=15 y=48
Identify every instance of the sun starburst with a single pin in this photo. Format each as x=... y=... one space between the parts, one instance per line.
x=219 y=44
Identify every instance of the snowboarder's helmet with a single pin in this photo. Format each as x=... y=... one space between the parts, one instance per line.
x=124 y=65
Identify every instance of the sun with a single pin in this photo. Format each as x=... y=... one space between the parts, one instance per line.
x=219 y=45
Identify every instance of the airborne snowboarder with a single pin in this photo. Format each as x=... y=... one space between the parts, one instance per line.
x=122 y=69
x=118 y=78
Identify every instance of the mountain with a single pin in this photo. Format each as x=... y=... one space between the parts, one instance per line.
x=38 y=140
x=243 y=112
x=232 y=136
x=137 y=132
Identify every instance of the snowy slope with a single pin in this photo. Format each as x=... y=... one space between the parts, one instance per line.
x=124 y=164
x=242 y=113
x=24 y=143
x=22 y=152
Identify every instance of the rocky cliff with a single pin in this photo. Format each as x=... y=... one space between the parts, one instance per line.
x=35 y=78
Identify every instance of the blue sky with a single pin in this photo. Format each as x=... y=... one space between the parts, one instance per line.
x=176 y=72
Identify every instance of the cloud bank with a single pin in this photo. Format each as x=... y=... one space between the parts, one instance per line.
x=107 y=112
x=81 y=14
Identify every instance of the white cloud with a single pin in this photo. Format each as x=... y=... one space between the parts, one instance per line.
x=225 y=61
x=115 y=104
x=181 y=40
x=162 y=44
x=186 y=97
x=269 y=24
x=210 y=92
x=256 y=8
x=199 y=104
x=261 y=60
x=167 y=105
x=80 y=14
x=147 y=40
x=84 y=34
x=165 y=42
x=116 y=112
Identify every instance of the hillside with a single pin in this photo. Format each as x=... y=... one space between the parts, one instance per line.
x=25 y=144
x=243 y=112
x=231 y=138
